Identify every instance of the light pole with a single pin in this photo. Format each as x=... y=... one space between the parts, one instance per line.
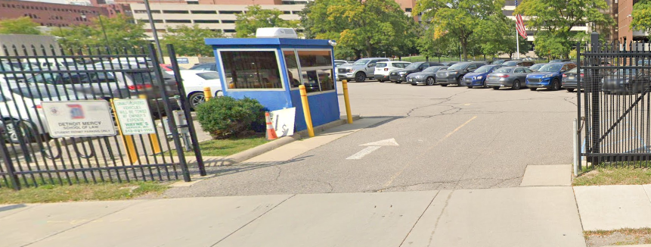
x=154 y=32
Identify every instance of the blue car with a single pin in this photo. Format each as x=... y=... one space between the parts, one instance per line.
x=549 y=76
x=478 y=77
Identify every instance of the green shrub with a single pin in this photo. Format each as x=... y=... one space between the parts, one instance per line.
x=226 y=117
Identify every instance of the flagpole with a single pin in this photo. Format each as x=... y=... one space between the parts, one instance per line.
x=517 y=40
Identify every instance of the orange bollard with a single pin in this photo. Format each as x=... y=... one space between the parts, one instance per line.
x=271 y=132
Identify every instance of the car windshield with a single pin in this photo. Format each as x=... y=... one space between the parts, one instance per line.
x=457 y=66
x=413 y=66
x=551 y=68
x=361 y=62
x=380 y=65
x=498 y=62
x=536 y=66
x=504 y=70
x=209 y=75
x=484 y=69
x=510 y=63
x=46 y=92
x=433 y=69
x=572 y=71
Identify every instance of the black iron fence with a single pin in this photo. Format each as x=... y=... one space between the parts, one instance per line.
x=614 y=102
x=91 y=115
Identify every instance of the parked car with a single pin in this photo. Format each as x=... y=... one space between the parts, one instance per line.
x=194 y=81
x=549 y=76
x=359 y=70
x=399 y=76
x=477 y=78
x=21 y=112
x=560 y=60
x=205 y=67
x=340 y=62
x=498 y=61
x=425 y=77
x=570 y=79
x=9 y=73
x=449 y=63
x=455 y=73
x=626 y=81
x=513 y=77
x=517 y=63
x=536 y=67
x=384 y=69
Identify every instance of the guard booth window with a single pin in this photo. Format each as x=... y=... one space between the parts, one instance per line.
x=316 y=70
x=251 y=69
x=292 y=68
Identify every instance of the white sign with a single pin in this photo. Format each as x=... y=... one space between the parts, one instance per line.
x=283 y=121
x=134 y=116
x=80 y=118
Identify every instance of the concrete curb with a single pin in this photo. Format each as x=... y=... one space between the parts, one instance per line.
x=253 y=152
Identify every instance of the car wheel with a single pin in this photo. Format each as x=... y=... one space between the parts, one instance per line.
x=196 y=99
x=532 y=88
x=458 y=81
x=414 y=84
x=429 y=81
x=469 y=86
x=13 y=128
x=444 y=85
x=569 y=90
x=360 y=77
x=555 y=85
x=516 y=85
x=496 y=87
x=381 y=81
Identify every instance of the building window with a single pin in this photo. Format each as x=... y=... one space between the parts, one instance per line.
x=408 y=10
x=175 y=11
x=206 y=21
x=193 y=2
x=178 y=21
x=316 y=70
x=251 y=69
x=508 y=12
x=229 y=12
x=229 y=30
x=296 y=12
x=228 y=21
x=212 y=12
x=287 y=12
x=141 y=11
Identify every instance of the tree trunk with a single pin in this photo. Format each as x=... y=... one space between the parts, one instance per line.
x=464 y=43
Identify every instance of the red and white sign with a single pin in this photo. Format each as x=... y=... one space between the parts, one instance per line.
x=520 y=26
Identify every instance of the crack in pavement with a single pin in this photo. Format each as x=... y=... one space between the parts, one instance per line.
x=443 y=100
x=442 y=182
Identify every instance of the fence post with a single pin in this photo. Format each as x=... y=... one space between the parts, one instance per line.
x=6 y=158
x=594 y=91
x=186 y=110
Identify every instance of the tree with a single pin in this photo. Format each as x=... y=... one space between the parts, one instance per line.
x=458 y=20
x=189 y=41
x=498 y=36
x=256 y=17
x=641 y=16
x=22 y=25
x=553 y=21
x=116 y=33
x=372 y=27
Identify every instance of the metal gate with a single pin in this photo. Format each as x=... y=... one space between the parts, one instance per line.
x=615 y=103
x=32 y=156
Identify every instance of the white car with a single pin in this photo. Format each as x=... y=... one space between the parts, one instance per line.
x=194 y=81
x=384 y=69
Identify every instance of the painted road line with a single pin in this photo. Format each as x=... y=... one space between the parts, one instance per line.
x=363 y=152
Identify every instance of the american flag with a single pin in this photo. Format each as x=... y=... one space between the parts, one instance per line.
x=520 y=26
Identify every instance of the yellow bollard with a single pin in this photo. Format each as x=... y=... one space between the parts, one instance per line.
x=347 y=101
x=127 y=140
x=207 y=93
x=306 y=111
x=153 y=138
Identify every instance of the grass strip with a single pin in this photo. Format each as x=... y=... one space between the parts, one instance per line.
x=228 y=146
x=80 y=192
x=614 y=175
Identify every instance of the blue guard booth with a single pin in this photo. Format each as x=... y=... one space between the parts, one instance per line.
x=271 y=69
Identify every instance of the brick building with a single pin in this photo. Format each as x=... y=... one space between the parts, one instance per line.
x=58 y=15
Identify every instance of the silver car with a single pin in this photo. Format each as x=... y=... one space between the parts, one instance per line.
x=513 y=77
x=359 y=70
x=425 y=77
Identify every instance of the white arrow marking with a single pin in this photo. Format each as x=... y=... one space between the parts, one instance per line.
x=372 y=146
x=387 y=142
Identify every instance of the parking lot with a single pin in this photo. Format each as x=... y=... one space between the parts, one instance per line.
x=448 y=138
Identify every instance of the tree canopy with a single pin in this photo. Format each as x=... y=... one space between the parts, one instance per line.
x=22 y=25
x=553 y=21
x=641 y=16
x=117 y=32
x=189 y=41
x=257 y=17
x=371 y=27
x=456 y=20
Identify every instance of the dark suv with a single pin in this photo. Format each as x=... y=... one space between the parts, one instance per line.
x=400 y=75
x=455 y=72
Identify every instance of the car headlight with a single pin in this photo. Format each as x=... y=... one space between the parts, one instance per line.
x=547 y=76
x=479 y=77
x=453 y=72
x=402 y=73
